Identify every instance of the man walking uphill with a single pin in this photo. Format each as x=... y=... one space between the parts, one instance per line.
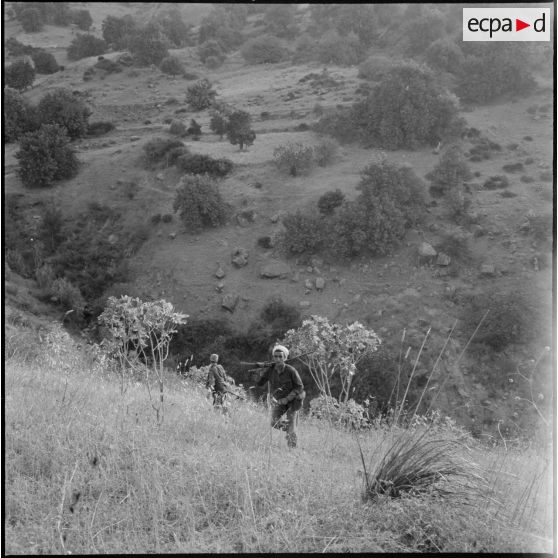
x=286 y=392
x=217 y=382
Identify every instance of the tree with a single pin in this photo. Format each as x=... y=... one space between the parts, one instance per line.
x=62 y=107
x=200 y=95
x=174 y=28
x=45 y=156
x=140 y=330
x=30 y=20
x=20 y=75
x=117 y=30
x=44 y=61
x=211 y=48
x=294 y=158
x=279 y=20
x=331 y=351
x=85 y=45
x=334 y=48
x=149 y=45
x=82 y=18
x=238 y=129
x=19 y=115
x=450 y=173
x=171 y=65
x=222 y=25
x=199 y=203
x=331 y=200
x=218 y=124
x=264 y=49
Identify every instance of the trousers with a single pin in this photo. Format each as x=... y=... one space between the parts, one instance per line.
x=290 y=410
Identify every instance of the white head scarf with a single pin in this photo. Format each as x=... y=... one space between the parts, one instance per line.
x=214 y=358
x=282 y=349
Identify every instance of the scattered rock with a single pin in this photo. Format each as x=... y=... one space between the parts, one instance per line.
x=172 y=235
x=275 y=269
x=304 y=303
x=220 y=273
x=295 y=277
x=488 y=270
x=112 y=239
x=426 y=250
x=443 y=259
x=308 y=284
x=229 y=302
x=219 y=287
x=239 y=257
x=320 y=283
x=160 y=176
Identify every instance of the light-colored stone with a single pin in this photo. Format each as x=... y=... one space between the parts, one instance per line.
x=443 y=259
x=488 y=270
x=308 y=284
x=220 y=273
x=320 y=283
x=239 y=257
x=275 y=269
x=304 y=303
x=229 y=302
x=426 y=250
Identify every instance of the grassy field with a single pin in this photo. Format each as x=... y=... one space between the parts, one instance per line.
x=88 y=470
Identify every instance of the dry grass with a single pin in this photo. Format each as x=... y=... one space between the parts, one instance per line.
x=88 y=470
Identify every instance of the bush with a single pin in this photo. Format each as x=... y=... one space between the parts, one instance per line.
x=488 y=73
x=420 y=32
x=45 y=156
x=82 y=18
x=117 y=30
x=85 y=45
x=199 y=203
x=15 y=48
x=279 y=20
x=162 y=150
x=347 y=231
x=62 y=107
x=148 y=45
x=303 y=233
x=211 y=49
x=218 y=124
x=325 y=152
x=343 y=50
x=31 y=20
x=376 y=66
x=444 y=55
x=340 y=124
x=108 y=66
x=171 y=65
x=265 y=49
x=294 y=158
x=330 y=201
x=100 y=128
x=280 y=316
x=212 y=62
x=200 y=95
x=195 y=163
x=450 y=172
x=347 y=414
x=406 y=110
x=238 y=129
x=19 y=115
x=45 y=63
x=67 y=294
x=19 y=75
x=223 y=27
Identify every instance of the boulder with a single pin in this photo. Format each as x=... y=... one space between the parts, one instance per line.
x=308 y=284
x=488 y=270
x=443 y=259
x=239 y=257
x=304 y=303
x=220 y=273
x=275 y=269
x=426 y=250
x=229 y=302
x=320 y=283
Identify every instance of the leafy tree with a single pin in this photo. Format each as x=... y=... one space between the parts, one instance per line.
x=444 y=54
x=264 y=49
x=82 y=18
x=336 y=49
x=199 y=203
x=200 y=95
x=171 y=65
x=450 y=172
x=332 y=352
x=279 y=20
x=45 y=156
x=19 y=115
x=174 y=28
x=238 y=129
x=85 y=45
x=219 y=25
x=117 y=30
x=30 y=20
x=329 y=201
x=143 y=328
x=149 y=45
x=294 y=158
x=218 y=124
x=19 y=75
x=44 y=61
x=406 y=109
x=303 y=233
x=420 y=32
x=359 y=19
x=211 y=48
x=62 y=107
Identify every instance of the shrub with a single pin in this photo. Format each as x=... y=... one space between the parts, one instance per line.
x=82 y=18
x=330 y=201
x=45 y=63
x=348 y=414
x=31 y=20
x=100 y=128
x=340 y=124
x=279 y=20
x=303 y=233
x=51 y=229
x=211 y=49
x=62 y=107
x=495 y=182
x=19 y=115
x=325 y=152
x=195 y=163
x=171 y=65
x=45 y=156
x=294 y=158
x=175 y=30
x=238 y=129
x=489 y=73
x=212 y=62
x=456 y=246
x=265 y=49
x=376 y=66
x=19 y=75
x=220 y=25
x=199 y=203
x=407 y=109
x=162 y=150
x=444 y=54
x=347 y=231
x=218 y=124
x=200 y=95
x=15 y=48
x=336 y=49
x=450 y=172
x=85 y=45
x=280 y=316
x=108 y=66
x=67 y=294
x=420 y=32
x=117 y=30
x=265 y=242
x=148 y=45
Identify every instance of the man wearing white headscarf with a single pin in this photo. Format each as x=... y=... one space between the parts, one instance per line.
x=286 y=392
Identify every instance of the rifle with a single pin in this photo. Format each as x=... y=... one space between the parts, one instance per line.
x=259 y=365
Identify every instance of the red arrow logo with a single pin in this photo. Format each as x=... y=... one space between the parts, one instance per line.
x=519 y=25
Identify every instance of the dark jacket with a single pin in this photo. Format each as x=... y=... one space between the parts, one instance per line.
x=285 y=386
x=217 y=378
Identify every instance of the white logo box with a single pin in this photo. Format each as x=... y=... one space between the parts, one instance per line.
x=499 y=24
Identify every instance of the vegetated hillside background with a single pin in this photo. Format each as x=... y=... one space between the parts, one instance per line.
x=113 y=229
